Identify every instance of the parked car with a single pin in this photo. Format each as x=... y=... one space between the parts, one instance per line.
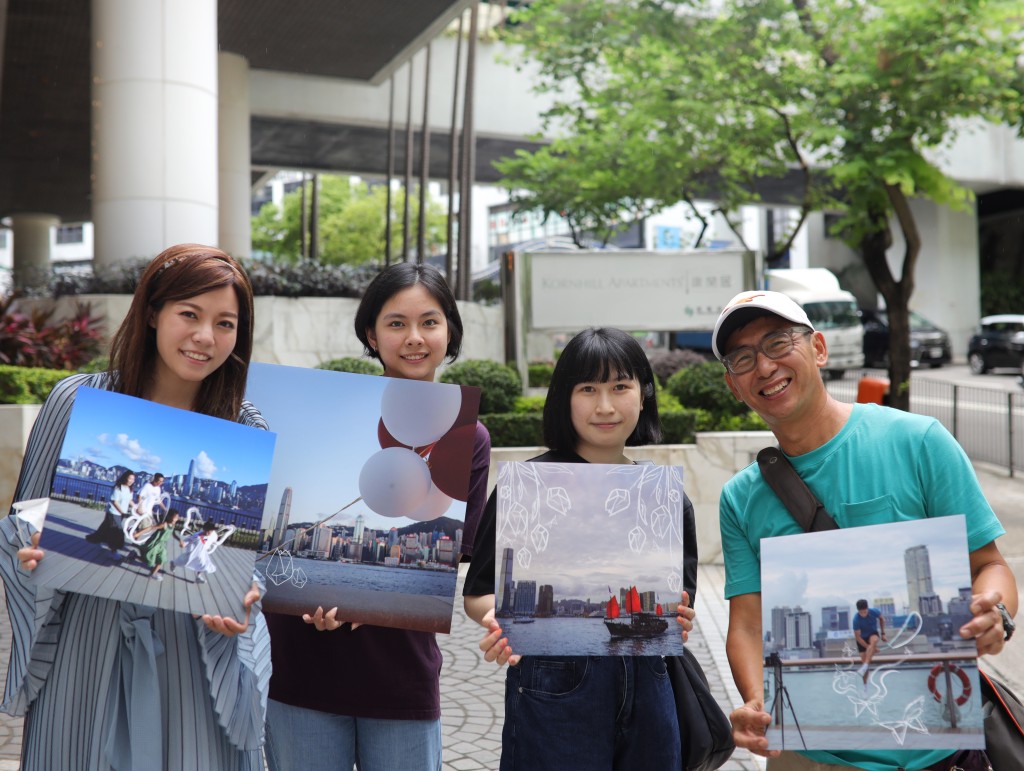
x=999 y=342
x=928 y=344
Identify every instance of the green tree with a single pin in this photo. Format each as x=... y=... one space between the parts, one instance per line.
x=663 y=101
x=352 y=223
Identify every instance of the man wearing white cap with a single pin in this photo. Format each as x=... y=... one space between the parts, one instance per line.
x=868 y=465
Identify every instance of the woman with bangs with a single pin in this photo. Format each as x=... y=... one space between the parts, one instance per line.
x=112 y=685
x=587 y=712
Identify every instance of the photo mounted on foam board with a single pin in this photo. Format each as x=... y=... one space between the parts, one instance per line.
x=366 y=507
x=154 y=505
x=861 y=638
x=589 y=558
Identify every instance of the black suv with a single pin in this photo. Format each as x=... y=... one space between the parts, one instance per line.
x=928 y=344
x=999 y=342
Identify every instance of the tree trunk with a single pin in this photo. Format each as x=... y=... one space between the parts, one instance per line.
x=896 y=293
x=421 y=228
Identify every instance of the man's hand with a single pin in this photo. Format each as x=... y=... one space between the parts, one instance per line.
x=987 y=625
x=749 y=723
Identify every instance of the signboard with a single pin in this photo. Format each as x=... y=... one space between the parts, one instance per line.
x=633 y=290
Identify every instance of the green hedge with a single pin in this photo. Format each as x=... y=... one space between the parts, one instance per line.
x=499 y=385
x=353 y=364
x=514 y=429
x=28 y=385
x=702 y=386
x=538 y=374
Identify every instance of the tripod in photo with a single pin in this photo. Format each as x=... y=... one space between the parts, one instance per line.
x=781 y=701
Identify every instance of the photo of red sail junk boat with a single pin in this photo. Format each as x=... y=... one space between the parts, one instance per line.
x=635 y=621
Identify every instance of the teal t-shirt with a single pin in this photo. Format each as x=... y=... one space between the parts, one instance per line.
x=884 y=466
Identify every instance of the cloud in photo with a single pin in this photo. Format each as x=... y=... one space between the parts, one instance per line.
x=205 y=466
x=133 y=450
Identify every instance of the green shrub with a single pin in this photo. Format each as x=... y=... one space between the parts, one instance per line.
x=678 y=426
x=354 y=364
x=97 y=364
x=538 y=373
x=666 y=401
x=27 y=385
x=514 y=429
x=703 y=386
x=499 y=385
x=528 y=404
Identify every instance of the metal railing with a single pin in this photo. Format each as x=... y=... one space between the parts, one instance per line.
x=988 y=423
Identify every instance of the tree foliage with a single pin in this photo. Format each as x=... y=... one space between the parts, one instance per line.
x=352 y=223
x=853 y=103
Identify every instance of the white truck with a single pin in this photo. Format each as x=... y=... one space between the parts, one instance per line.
x=831 y=309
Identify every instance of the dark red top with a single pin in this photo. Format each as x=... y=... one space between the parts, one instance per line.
x=375 y=671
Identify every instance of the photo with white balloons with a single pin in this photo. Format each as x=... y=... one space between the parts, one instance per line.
x=152 y=505
x=366 y=506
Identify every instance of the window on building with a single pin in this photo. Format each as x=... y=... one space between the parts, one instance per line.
x=70 y=234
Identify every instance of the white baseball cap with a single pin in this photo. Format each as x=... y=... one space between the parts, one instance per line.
x=747 y=306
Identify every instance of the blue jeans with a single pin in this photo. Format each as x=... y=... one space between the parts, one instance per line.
x=591 y=713
x=301 y=739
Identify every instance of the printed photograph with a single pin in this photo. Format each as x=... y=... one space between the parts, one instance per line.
x=154 y=505
x=590 y=558
x=367 y=498
x=861 y=638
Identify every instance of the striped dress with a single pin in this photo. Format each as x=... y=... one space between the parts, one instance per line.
x=111 y=685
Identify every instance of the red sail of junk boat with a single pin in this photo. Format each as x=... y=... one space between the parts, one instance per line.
x=639 y=623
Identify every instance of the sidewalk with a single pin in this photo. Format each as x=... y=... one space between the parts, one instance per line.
x=472 y=691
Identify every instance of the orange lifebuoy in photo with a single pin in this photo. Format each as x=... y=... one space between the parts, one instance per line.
x=965 y=682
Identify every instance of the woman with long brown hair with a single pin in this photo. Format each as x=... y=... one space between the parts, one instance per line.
x=105 y=684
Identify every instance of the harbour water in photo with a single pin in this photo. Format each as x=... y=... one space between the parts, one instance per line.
x=586 y=637
x=407 y=598
x=896 y=710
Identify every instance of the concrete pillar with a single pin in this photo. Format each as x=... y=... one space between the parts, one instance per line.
x=31 y=253
x=234 y=155
x=154 y=131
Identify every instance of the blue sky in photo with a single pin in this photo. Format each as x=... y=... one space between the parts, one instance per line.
x=113 y=429
x=326 y=424
x=837 y=567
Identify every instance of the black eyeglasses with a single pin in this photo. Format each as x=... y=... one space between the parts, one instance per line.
x=774 y=345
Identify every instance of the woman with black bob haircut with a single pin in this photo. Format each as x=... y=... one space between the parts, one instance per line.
x=597 y=355
x=577 y=713
x=393 y=280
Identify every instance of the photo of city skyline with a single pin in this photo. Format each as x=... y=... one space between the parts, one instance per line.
x=366 y=503
x=590 y=558
x=209 y=471
x=918 y=687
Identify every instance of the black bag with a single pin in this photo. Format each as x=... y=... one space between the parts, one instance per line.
x=1004 y=724
x=704 y=730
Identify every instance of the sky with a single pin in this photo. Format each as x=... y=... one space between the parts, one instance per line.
x=588 y=549
x=113 y=429
x=838 y=567
x=327 y=429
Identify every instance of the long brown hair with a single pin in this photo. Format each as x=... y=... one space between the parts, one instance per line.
x=178 y=273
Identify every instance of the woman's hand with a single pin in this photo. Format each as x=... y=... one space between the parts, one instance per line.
x=495 y=647
x=327 y=622
x=226 y=625
x=685 y=615
x=29 y=556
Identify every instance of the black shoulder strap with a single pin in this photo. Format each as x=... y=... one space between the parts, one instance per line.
x=794 y=493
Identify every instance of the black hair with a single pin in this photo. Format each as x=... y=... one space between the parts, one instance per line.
x=392 y=280
x=123 y=479
x=156 y=476
x=597 y=355
x=862 y=604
